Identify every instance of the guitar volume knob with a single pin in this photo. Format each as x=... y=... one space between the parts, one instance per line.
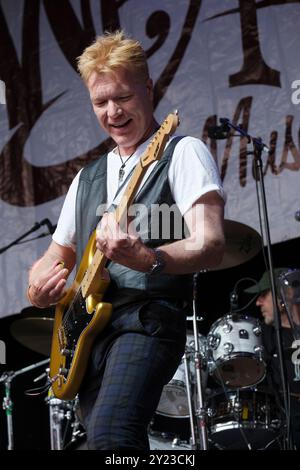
x=63 y=371
x=66 y=352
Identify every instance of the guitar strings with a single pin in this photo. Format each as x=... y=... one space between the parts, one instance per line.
x=71 y=308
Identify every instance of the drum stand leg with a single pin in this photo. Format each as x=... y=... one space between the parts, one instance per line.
x=201 y=418
x=8 y=406
x=189 y=399
x=76 y=431
x=7 y=378
x=56 y=415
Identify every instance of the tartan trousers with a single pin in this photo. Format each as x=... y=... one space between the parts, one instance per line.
x=132 y=360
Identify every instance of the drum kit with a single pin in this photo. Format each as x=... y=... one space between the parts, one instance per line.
x=235 y=412
x=226 y=408
x=239 y=413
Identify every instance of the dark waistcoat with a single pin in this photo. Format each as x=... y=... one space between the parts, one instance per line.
x=153 y=198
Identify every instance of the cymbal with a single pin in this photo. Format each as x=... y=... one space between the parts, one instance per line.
x=241 y=244
x=34 y=333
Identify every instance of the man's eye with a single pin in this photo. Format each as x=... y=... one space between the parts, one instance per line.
x=125 y=98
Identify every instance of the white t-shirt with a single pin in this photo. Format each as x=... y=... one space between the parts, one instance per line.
x=192 y=173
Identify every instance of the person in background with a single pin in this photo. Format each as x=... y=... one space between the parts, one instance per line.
x=288 y=303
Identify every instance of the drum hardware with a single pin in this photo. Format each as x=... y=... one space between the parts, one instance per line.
x=56 y=415
x=7 y=378
x=200 y=411
x=63 y=418
x=189 y=400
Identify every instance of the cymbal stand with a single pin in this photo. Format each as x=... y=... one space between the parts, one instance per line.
x=56 y=415
x=186 y=359
x=7 y=378
x=59 y=410
x=200 y=412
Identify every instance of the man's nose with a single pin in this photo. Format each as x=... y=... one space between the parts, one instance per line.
x=113 y=109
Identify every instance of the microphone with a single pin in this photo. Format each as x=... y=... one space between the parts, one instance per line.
x=223 y=132
x=219 y=132
x=49 y=225
x=297 y=216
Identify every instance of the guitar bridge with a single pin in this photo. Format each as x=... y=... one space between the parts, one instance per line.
x=62 y=341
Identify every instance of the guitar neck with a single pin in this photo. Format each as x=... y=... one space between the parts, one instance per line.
x=99 y=259
x=156 y=145
x=152 y=153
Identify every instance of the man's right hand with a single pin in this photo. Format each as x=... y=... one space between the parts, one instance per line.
x=49 y=287
x=48 y=276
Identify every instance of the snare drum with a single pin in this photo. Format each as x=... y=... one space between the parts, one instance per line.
x=235 y=352
x=243 y=419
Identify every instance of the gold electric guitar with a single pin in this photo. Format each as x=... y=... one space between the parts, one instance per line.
x=81 y=314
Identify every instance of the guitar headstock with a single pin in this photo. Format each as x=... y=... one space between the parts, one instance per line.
x=156 y=147
x=171 y=123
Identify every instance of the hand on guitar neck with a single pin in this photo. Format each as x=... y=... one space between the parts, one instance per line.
x=121 y=247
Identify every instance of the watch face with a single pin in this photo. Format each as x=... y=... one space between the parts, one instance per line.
x=159 y=264
x=156 y=268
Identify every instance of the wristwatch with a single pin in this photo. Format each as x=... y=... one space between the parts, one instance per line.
x=159 y=263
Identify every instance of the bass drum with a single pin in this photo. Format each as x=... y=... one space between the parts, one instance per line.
x=244 y=419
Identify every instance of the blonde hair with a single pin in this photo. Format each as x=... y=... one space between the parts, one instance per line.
x=111 y=51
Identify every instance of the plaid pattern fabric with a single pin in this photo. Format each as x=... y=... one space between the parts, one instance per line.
x=131 y=362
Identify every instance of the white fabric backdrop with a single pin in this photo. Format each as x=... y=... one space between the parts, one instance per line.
x=200 y=88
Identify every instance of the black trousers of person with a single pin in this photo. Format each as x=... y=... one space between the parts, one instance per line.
x=132 y=360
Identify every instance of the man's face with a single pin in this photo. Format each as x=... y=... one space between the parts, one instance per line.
x=264 y=301
x=123 y=106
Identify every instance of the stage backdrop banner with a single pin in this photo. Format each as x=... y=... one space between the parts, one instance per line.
x=209 y=59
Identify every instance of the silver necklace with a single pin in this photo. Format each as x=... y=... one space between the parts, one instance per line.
x=121 y=170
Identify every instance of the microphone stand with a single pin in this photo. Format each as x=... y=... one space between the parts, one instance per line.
x=201 y=414
x=259 y=147
x=7 y=378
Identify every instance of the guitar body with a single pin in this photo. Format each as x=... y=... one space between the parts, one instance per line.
x=81 y=314
x=73 y=339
